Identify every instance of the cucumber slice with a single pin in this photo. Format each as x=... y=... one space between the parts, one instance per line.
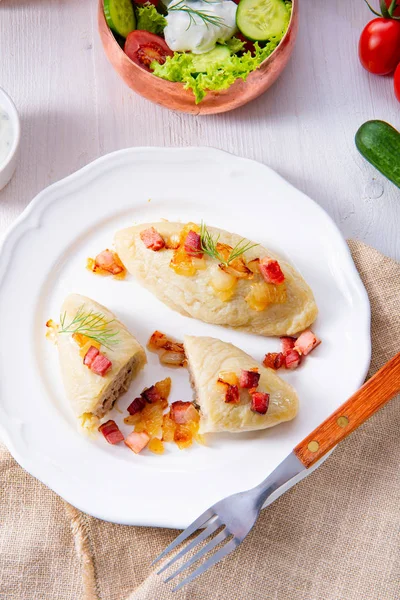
x=261 y=20
x=216 y=56
x=120 y=16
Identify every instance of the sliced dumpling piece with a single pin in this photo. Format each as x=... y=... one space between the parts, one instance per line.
x=210 y=360
x=93 y=388
x=258 y=292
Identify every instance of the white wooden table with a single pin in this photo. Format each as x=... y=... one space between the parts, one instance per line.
x=74 y=108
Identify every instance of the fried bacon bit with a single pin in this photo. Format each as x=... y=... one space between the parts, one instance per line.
x=292 y=359
x=274 y=360
x=306 y=342
x=287 y=344
x=152 y=239
x=192 y=244
x=90 y=356
x=271 y=271
x=249 y=379
x=137 y=405
x=107 y=262
x=259 y=402
x=100 y=365
x=232 y=394
x=137 y=441
x=183 y=412
x=151 y=394
x=111 y=432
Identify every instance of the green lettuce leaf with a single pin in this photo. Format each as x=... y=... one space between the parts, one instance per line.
x=235 y=45
x=148 y=19
x=218 y=77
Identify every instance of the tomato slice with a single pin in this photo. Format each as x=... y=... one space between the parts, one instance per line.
x=143 y=47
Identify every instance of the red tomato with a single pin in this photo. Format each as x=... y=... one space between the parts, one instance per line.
x=397 y=82
x=143 y=47
x=379 y=46
x=396 y=12
x=248 y=45
x=141 y=2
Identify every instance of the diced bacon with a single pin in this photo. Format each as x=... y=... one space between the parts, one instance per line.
x=137 y=441
x=292 y=359
x=249 y=379
x=101 y=365
x=232 y=394
x=109 y=261
x=90 y=356
x=287 y=344
x=151 y=394
x=271 y=271
x=259 y=402
x=152 y=239
x=306 y=342
x=111 y=432
x=193 y=244
x=274 y=360
x=136 y=406
x=183 y=412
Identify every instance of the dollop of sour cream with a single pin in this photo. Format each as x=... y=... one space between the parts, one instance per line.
x=187 y=31
x=6 y=135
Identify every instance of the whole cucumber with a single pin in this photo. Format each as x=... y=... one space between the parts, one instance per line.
x=379 y=143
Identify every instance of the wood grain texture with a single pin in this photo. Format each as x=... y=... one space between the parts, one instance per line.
x=74 y=108
x=372 y=396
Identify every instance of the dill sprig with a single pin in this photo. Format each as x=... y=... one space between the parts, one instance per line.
x=209 y=247
x=207 y=17
x=91 y=324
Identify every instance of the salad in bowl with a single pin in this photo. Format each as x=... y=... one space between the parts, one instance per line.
x=207 y=47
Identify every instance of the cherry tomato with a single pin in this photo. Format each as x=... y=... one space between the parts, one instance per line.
x=141 y=2
x=248 y=45
x=143 y=47
x=397 y=82
x=379 y=46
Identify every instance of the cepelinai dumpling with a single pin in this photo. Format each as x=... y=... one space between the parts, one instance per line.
x=218 y=277
x=233 y=391
x=98 y=357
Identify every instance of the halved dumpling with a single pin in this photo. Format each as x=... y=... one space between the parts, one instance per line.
x=257 y=292
x=89 y=332
x=211 y=363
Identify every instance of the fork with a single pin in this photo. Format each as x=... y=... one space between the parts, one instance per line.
x=237 y=514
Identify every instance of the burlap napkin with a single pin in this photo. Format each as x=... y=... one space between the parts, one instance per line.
x=332 y=537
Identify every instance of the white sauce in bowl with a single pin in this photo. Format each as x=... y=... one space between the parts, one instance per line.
x=6 y=135
x=186 y=31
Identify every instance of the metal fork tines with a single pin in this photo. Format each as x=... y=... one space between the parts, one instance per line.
x=230 y=520
x=211 y=523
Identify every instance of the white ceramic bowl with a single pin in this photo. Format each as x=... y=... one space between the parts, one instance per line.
x=7 y=167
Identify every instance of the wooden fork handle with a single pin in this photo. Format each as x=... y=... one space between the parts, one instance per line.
x=363 y=404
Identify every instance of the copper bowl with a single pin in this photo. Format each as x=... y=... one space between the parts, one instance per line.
x=173 y=95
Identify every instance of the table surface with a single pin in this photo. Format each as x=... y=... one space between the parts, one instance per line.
x=74 y=108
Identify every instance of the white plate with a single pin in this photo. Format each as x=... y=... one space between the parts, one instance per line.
x=43 y=259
